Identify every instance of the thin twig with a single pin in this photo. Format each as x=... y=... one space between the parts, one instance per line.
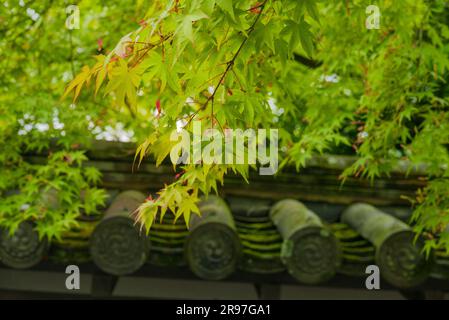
x=147 y=49
x=207 y=81
x=238 y=80
x=131 y=111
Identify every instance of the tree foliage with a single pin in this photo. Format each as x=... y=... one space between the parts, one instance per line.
x=39 y=56
x=211 y=60
x=310 y=68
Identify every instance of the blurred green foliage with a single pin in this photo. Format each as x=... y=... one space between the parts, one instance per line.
x=310 y=68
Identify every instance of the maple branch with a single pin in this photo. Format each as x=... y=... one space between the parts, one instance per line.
x=230 y=63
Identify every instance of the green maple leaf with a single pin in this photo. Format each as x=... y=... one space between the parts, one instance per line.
x=124 y=82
